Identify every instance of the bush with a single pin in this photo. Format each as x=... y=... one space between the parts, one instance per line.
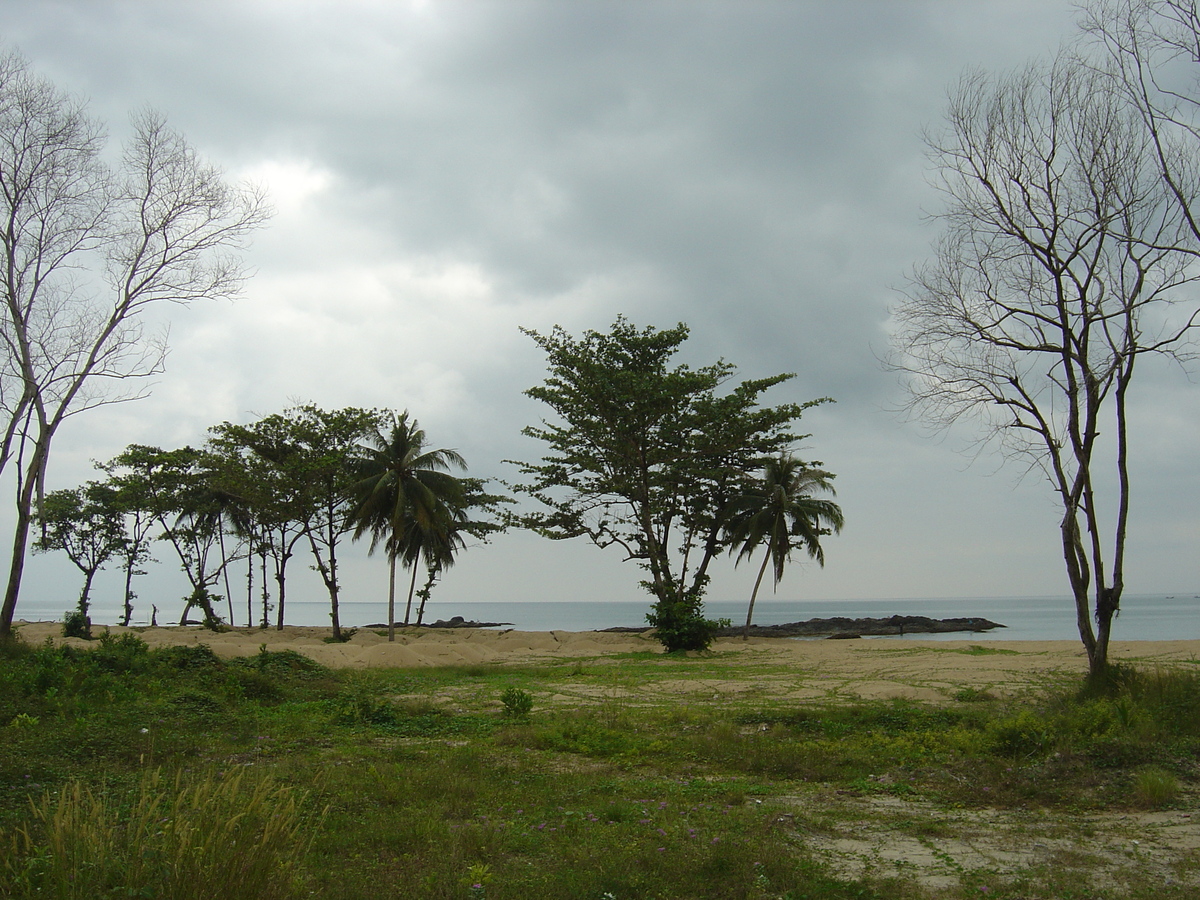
x=681 y=626
x=127 y=653
x=77 y=624
x=517 y=703
x=358 y=705
x=1023 y=736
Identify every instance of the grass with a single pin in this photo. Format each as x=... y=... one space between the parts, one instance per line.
x=468 y=782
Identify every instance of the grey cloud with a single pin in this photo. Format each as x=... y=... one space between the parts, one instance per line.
x=754 y=169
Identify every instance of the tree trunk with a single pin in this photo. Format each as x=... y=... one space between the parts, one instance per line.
x=20 y=539
x=1107 y=602
x=328 y=572
x=85 y=594
x=225 y=573
x=392 y=597
x=128 y=595
x=279 y=575
x=337 y=625
x=412 y=586
x=762 y=570
x=266 y=594
x=425 y=598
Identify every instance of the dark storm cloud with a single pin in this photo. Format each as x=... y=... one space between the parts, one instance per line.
x=446 y=172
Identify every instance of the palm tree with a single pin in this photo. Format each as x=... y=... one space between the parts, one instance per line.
x=779 y=510
x=408 y=501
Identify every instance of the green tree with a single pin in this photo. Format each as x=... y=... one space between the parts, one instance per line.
x=778 y=511
x=481 y=517
x=408 y=501
x=86 y=524
x=268 y=502
x=310 y=458
x=177 y=488
x=648 y=458
x=128 y=496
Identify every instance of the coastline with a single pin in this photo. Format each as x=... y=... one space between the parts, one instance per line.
x=868 y=668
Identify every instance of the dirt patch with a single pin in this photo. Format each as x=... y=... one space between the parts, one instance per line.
x=886 y=836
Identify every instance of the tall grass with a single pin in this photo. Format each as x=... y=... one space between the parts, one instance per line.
x=217 y=838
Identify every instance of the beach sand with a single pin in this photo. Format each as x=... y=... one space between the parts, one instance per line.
x=799 y=669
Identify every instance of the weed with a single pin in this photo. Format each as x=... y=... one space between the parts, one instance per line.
x=633 y=798
x=357 y=705
x=1155 y=788
x=1023 y=735
x=517 y=703
x=980 y=650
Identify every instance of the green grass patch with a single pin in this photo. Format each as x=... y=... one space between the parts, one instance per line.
x=429 y=783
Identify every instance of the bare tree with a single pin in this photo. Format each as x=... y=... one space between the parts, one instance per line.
x=1151 y=49
x=85 y=248
x=1062 y=264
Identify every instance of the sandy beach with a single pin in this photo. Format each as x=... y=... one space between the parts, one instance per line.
x=868 y=668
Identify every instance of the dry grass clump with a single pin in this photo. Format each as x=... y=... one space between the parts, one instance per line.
x=216 y=838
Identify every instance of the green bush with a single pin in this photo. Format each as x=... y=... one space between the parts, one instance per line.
x=1024 y=735
x=681 y=626
x=358 y=705
x=517 y=703
x=77 y=624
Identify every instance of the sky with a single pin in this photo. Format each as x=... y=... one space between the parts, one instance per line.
x=445 y=173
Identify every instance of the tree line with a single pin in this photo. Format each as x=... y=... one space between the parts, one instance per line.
x=255 y=495
x=649 y=457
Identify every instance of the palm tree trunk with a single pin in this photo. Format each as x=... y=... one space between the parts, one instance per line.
x=754 y=594
x=392 y=597
x=225 y=572
x=412 y=586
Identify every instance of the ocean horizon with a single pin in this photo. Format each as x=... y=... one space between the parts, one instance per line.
x=1143 y=617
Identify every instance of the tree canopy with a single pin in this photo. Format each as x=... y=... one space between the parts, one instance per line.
x=406 y=499
x=779 y=511
x=647 y=455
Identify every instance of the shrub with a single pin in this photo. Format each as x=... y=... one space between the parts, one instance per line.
x=357 y=705
x=191 y=657
x=681 y=626
x=126 y=653
x=77 y=624
x=1024 y=735
x=517 y=703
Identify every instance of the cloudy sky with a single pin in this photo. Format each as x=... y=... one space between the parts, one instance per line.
x=446 y=172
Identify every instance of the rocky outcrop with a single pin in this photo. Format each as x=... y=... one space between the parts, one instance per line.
x=841 y=627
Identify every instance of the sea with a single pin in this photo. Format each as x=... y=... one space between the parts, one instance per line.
x=1143 y=617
